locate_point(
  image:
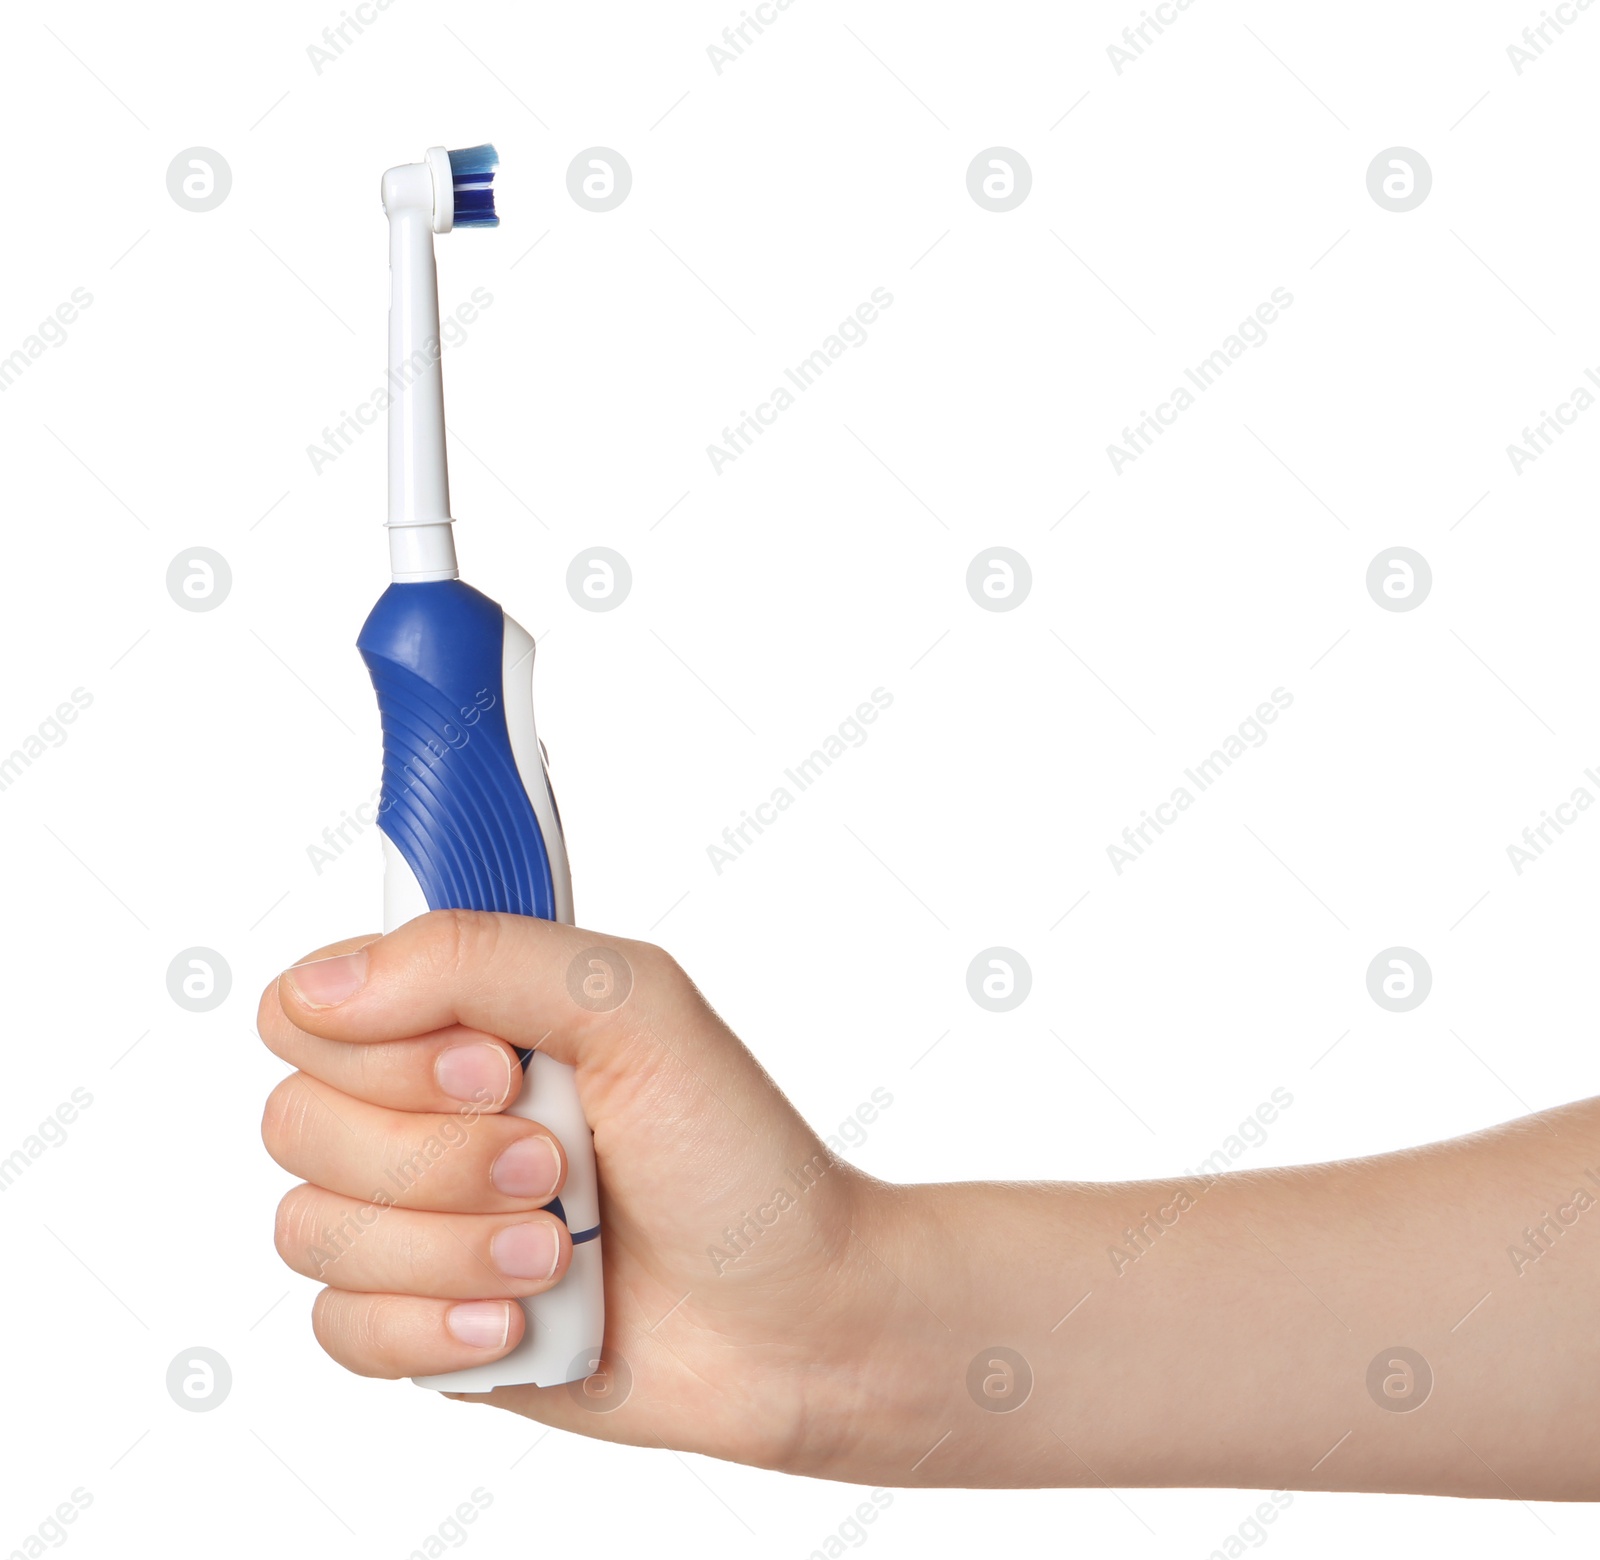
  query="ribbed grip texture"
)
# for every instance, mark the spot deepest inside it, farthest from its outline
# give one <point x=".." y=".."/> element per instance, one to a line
<point x="452" y="802"/>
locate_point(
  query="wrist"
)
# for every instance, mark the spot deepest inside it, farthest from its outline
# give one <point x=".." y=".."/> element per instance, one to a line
<point x="948" y="1363"/>
<point x="889" y="1368"/>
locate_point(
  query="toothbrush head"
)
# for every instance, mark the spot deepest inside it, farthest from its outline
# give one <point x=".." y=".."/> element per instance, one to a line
<point x="472" y="184"/>
<point x="446" y="189"/>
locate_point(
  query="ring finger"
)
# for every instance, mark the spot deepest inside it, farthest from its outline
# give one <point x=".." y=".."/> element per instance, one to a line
<point x="377" y="1249"/>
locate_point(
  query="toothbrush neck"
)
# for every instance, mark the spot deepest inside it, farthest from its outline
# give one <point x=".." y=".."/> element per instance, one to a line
<point x="421" y="546"/>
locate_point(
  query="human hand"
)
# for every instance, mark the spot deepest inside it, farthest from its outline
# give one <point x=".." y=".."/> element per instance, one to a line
<point x="742" y="1348"/>
<point x="766" y="1303"/>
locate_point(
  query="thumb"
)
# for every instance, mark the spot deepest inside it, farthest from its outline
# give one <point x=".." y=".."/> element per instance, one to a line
<point x="572" y="994"/>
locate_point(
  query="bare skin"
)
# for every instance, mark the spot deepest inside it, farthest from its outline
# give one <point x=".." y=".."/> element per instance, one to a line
<point x="1243" y="1330"/>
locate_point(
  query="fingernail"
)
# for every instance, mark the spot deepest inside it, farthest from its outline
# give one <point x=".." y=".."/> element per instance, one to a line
<point x="526" y="1250"/>
<point x="480" y="1072"/>
<point x="531" y="1167"/>
<point x="485" y="1324"/>
<point x="325" y="982"/>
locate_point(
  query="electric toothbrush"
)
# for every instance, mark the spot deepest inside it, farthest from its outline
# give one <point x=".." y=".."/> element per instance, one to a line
<point x="467" y="815"/>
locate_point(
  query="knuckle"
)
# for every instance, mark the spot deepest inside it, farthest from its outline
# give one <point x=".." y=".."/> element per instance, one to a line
<point x="334" y="1324"/>
<point x="453" y="935"/>
<point x="382" y="1335"/>
<point x="350" y="1329"/>
<point x="370" y="1073"/>
<point x="660" y="970"/>
<point x="275" y="1118"/>
<point x="283" y="1120"/>
<point x="444" y="934"/>
<point x="269" y="1000"/>
<point x="417" y="1254"/>
<point x="368" y="1330"/>
<point x="324" y="1311"/>
<point x="460" y="939"/>
<point x="270" y="1018"/>
<point x="293" y="1224"/>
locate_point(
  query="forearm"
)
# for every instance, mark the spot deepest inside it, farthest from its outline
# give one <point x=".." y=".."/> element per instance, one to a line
<point x="1223" y="1332"/>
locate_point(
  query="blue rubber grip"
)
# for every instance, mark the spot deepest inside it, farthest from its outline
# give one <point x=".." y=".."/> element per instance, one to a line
<point x="452" y="801"/>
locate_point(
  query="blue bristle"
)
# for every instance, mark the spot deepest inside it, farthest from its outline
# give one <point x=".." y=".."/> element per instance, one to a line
<point x="475" y="207"/>
<point x="473" y="163"/>
<point x="472" y="178"/>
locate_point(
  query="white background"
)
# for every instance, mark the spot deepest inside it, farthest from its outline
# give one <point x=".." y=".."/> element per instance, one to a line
<point x="1167" y="602"/>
